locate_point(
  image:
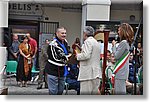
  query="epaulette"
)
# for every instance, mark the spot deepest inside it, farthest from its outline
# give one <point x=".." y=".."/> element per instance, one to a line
<point x="53" y="43"/>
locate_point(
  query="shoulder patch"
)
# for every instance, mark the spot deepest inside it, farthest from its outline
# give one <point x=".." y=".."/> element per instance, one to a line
<point x="53" y="43"/>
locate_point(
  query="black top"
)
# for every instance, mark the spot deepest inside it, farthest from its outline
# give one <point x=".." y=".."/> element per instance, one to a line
<point x="55" y="52"/>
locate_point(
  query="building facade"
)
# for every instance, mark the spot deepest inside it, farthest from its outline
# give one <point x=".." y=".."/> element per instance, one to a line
<point x="41" y="18"/>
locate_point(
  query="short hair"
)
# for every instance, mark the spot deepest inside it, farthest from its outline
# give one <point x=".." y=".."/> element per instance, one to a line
<point x="23" y="37"/>
<point x="46" y="39"/>
<point x="60" y="28"/>
<point x="89" y="30"/>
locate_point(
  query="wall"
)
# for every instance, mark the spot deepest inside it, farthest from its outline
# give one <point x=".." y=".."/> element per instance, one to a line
<point x="124" y="15"/>
<point x="70" y="20"/>
<point x="3" y="13"/>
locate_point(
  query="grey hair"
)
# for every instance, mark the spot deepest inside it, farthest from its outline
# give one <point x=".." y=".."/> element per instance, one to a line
<point x="89" y="30"/>
<point x="58" y="29"/>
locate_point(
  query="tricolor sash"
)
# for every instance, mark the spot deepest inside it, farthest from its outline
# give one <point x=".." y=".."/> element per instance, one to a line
<point x="121" y="62"/>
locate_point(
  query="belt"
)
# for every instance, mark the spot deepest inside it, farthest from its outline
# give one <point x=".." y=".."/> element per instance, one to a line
<point x="55" y="63"/>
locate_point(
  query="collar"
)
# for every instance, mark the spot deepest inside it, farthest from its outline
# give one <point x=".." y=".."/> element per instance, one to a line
<point x="59" y="40"/>
<point x="15" y="41"/>
<point x="89" y="38"/>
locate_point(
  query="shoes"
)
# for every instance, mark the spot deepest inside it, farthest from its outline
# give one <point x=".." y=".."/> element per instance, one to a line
<point x="25" y="84"/>
<point x="36" y="78"/>
<point x="32" y="79"/>
<point x="46" y="86"/>
<point x="21" y="84"/>
<point x="39" y="86"/>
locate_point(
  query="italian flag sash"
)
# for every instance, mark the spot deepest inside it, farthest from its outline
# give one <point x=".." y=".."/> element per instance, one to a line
<point x="120" y="64"/>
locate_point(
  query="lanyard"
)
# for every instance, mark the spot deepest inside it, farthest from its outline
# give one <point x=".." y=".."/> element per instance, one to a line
<point x="66" y="53"/>
<point x="63" y="46"/>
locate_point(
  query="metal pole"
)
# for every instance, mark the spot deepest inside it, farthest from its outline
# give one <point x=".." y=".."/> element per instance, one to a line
<point x="136" y="57"/>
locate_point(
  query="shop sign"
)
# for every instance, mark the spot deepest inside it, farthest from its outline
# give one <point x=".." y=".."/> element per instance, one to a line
<point x="25" y="9"/>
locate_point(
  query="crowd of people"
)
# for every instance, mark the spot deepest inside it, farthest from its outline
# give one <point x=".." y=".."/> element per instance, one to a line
<point x="85" y="76"/>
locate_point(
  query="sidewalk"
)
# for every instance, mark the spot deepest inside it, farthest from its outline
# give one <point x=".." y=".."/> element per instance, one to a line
<point x="14" y="89"/>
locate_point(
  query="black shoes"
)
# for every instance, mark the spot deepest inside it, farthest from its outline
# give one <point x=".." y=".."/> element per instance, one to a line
<point x="46" y="86"/>
<point x="39" y="86"/>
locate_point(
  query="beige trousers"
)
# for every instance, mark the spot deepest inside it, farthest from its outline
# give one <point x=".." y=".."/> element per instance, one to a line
<point x="89" y="87"/>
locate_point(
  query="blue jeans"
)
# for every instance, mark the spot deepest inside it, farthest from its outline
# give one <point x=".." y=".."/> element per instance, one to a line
<point x="34" y="62"/>
<point x="55" y="85"/>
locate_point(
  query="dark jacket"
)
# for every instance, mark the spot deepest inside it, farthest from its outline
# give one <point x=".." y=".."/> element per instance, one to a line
<point x="56" y="58"/>
<point x="14" y="48"/>
<point x="131" y="72"/>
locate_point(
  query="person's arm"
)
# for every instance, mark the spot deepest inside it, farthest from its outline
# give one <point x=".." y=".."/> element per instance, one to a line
<point x="11" y="52"/>
<point x="35" y="51"/>
<point x="56" y="53"/>
<point x="44" y="51"/>
<point x="119" y="51"/>
<point x="86" y="51"/>
<point x="128" y="83"/>
<point x="78" y="47"/>
<point x="22" y="53"/>
<point x="35" y="44"/>
<point x="113" y="46"/>
<point x="18" y="46"/>
<point x="20" y="50"/>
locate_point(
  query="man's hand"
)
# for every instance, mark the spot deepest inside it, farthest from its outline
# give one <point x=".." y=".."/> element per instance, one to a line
<point x="15" y="55"/>
<point x="114" y="43"/>
<point x="33" y="56"/>
<point x="75" y="53"/>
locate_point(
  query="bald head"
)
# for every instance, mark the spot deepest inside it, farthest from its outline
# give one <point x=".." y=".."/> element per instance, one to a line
<point x="15" y="37"/>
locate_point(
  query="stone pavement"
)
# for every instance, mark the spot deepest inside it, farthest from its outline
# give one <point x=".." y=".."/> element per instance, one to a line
<point x="14" y="89"/>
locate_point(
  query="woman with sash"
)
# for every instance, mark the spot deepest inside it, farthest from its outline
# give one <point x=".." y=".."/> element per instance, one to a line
<point x="121" y="53"/>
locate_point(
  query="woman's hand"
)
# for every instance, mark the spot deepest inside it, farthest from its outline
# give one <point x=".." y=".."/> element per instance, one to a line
<point x="27" y="56"/>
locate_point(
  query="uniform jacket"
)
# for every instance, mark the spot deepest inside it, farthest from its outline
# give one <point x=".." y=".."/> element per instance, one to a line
<point x="56" y="58"/>
<point x="89" y="60"/>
